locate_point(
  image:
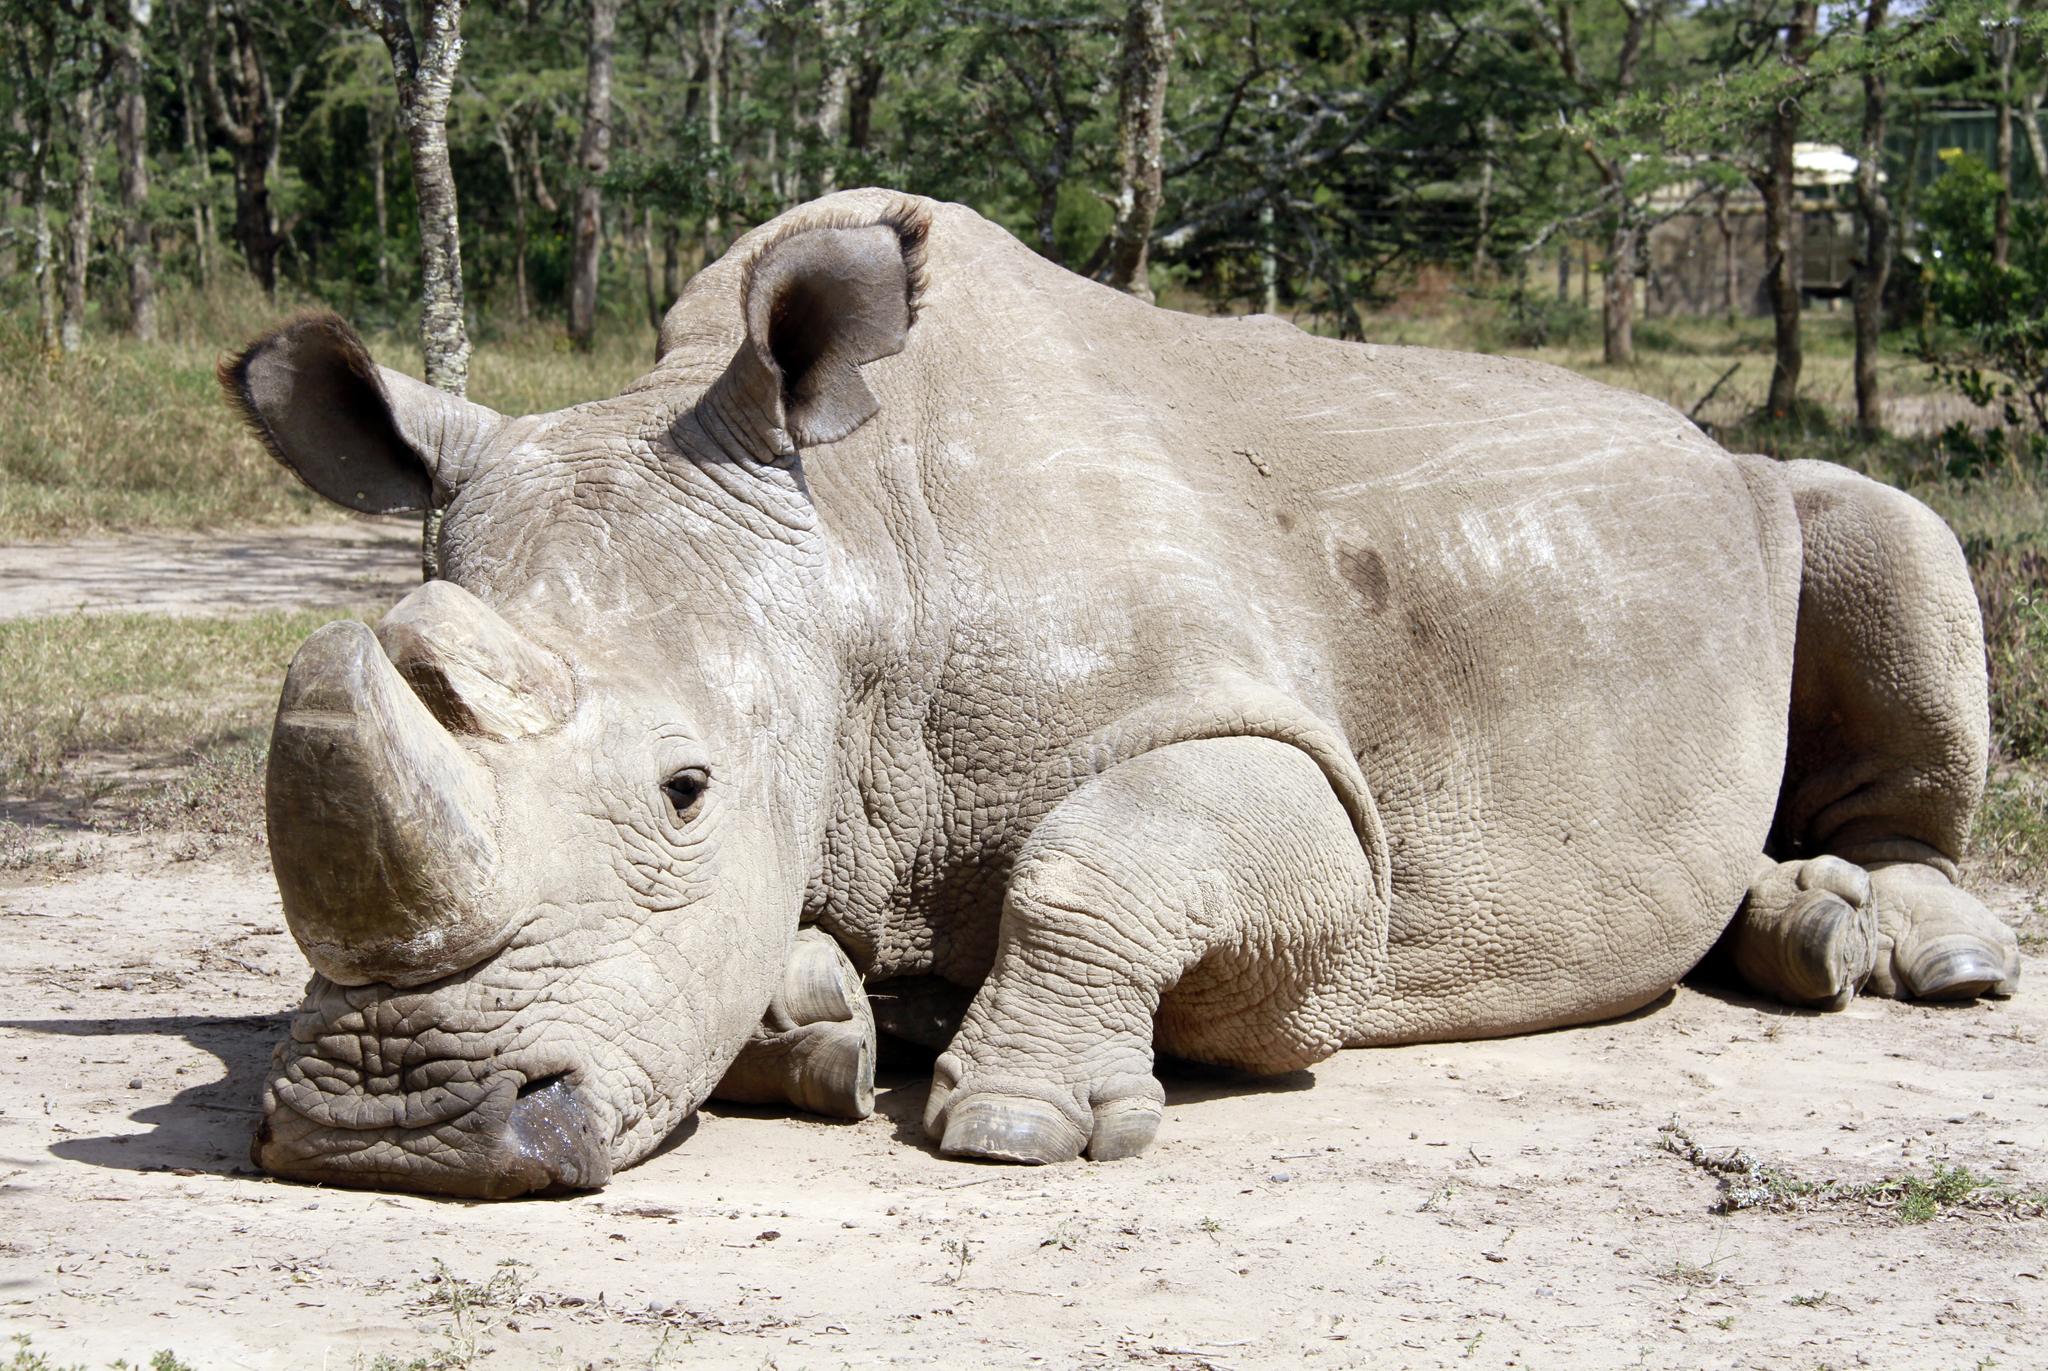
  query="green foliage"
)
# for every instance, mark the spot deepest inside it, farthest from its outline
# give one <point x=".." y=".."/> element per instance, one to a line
<point x="26" y="1358"/>
<point x="1993" y="346"/>
<point x="1539" y="319"/>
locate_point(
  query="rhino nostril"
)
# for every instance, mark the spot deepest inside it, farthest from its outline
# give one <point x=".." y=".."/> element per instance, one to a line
<point x="555" y="1141"/>
<point x="540" y="1083"/>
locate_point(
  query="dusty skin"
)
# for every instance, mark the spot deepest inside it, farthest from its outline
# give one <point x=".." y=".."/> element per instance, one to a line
<point x="1482" y="1204"/>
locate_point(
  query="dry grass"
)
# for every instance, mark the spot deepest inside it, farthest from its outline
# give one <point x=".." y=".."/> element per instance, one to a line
<point x="95" y="701"/>
<point x="133" y="436"/>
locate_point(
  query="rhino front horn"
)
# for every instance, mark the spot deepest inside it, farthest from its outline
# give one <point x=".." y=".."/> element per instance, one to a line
<point x="380" y="822"/>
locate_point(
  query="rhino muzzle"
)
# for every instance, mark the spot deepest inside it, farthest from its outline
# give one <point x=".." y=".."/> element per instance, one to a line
<point x="502" y="1137"/>
<point x="382" y="824"/>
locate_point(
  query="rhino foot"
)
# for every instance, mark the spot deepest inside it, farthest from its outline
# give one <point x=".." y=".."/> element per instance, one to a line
<point x="1816" y="933"/>
<point x="1033" y="1122"/>
<point x="1939" y="942"/>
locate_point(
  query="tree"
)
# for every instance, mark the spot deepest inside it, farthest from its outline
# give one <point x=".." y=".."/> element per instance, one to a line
<point x="2005" y="34"/>
<point x="1774" y="181"/>
<point x="90" y="60"/>
<point x="129" y="18"/>
<point x="36" y="34"/>
<point x="425" y="79"/>
<point x="1147" y="49"/>
<point x="248" y="111"/>
<point x="1873" y="264"/>
<point x="593" y="156"/>
<point x="1624" y="231"/>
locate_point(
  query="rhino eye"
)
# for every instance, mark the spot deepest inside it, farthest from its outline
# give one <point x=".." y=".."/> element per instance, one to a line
<point x="685" y="790"/>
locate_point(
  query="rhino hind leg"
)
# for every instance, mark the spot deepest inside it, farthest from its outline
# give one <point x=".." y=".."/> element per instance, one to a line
<point x="1213" y="893"/>
<point x="1889" y="733"/>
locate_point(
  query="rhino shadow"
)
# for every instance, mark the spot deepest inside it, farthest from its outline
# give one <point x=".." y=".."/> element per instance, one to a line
<point x="204" y="1127"/>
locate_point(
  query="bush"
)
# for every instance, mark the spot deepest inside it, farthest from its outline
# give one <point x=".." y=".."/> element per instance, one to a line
<point x="1535" y="319"/>
<point x="1994" y="348"/>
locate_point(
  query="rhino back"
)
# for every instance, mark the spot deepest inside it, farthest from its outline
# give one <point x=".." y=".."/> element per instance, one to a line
<point x="1552" y="622"/>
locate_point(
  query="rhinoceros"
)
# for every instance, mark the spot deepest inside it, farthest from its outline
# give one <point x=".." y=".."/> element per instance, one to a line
<point x="935" y="636"/>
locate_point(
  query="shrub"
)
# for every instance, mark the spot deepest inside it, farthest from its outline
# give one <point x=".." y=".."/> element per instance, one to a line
<point x="1994" y="344"/>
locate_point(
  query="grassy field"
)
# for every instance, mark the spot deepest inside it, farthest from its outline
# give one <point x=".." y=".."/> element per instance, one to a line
<point x="120" y="721"/>
<point x="128" y="437"/>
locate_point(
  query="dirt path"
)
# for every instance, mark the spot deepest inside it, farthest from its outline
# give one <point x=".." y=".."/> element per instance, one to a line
<point x="366" y="561"/>
<point x="1485" y="1205"/>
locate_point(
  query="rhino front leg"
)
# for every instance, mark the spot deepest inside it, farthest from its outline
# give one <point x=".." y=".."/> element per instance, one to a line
<point x="1215" y="889"/>
<point x="1807" y="932"/>
<point x="815" y="1047"/>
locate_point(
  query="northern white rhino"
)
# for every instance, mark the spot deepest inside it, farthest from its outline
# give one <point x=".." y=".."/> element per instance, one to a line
<point x="934" y="623"/>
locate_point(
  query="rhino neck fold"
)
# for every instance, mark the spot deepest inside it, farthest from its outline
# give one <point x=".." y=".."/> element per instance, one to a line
<point x="743" y="473"/>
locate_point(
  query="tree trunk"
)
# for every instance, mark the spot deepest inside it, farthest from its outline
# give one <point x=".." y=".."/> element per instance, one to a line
<point x="834" y="59"/>
<point x="593" y="155"/>
<point x="711" y="30"/>
<point x="1482" y="266"/>
<point x="42" y="254"/>
<point x="131" y="142"/>
<point x="202" y="223"/>
<point x="78" y="260"/>
<point x="2030" y="124"/>
<point x="426" y="81"/>
<point x="1140" y="123"/>
<point x="1875" y="263"/>
<point x="1618" y="290"/>
<point x="15" y="194"/>
<point x="671" y="262"/>
<point x="1269" y="261"/>
<point x="1782" y="225"/>
<point x="514" y="176"/>
<point x="1728" y="264"/>
<point x="649" y="273"/>
<point x="1618" y="297"/>
<point x="380" y="144"/>
<point x="444" y="334"/>
<point x="860" y="106"/>
<point x="2004" y="40"/>
<point x="246" y="115"/>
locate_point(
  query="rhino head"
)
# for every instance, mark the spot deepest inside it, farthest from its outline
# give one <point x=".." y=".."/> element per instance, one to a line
<point x="546" y="833"/>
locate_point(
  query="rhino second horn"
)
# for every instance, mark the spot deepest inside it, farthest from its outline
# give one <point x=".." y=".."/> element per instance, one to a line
<point x="476" y="672"/>
<point x="380" y="823"/>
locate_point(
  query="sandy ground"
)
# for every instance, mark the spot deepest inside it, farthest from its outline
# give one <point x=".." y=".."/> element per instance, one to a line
<point x="1488" y="1204"/>
<point x="1501" y="1204"/>
<point x="360" y="561"/>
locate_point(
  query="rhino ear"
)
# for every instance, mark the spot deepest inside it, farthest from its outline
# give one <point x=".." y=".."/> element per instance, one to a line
<point x="820" y="301"/>
<point x="364" y="436"/>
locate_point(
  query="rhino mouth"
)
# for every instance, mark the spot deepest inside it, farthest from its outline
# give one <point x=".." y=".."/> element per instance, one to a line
<point x="490" y="1130"/>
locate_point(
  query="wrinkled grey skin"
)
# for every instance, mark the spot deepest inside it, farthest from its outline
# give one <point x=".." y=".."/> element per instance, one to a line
<point x="1157" y="682"/>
